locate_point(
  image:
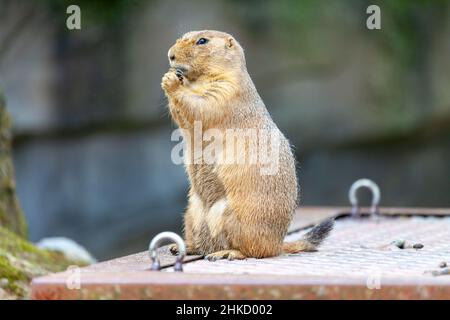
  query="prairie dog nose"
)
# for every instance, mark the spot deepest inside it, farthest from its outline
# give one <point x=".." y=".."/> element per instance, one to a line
<point x="171" y="55"/>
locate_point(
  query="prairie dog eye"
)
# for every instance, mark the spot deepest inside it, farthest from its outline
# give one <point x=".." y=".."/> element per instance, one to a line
<point x="201" y="41"/>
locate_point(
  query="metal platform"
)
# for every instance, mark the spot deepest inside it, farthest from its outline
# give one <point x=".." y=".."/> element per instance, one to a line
<point x="357" y="261"/>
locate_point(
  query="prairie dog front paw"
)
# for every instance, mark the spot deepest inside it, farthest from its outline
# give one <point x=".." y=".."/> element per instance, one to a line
<point x="171" y="81"/>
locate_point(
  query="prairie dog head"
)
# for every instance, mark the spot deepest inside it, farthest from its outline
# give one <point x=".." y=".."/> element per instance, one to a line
<point x="206" y="53"/>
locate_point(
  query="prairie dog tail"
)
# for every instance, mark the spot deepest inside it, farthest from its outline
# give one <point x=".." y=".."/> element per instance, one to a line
<point x="311" y="240"/>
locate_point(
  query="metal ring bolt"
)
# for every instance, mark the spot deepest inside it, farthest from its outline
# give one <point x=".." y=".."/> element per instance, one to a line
<point x="156" y="242"/>
<point x="376" y="195"/>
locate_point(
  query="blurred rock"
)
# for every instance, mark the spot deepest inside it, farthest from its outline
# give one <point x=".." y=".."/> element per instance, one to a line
<point x="68" y="247"/>
<point x="21" y="261"/>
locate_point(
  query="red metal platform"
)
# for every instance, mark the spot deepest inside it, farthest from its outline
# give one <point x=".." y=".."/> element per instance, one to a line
<point x="357" y="261"/>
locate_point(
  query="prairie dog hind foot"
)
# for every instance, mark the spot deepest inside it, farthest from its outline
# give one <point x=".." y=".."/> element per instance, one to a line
<point x="173" y="248"/>
<point x="225" y="254"/>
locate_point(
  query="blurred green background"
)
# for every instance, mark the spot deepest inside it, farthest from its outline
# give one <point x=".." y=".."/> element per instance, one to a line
<point x="92" y="134"/>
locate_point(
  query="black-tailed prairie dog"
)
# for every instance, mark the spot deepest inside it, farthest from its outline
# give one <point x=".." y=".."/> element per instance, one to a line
<point x="235" y="209"/>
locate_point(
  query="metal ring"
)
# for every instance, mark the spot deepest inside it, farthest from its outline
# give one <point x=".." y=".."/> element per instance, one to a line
<point x="376" y="195"/>
<point x="156" y="241"/>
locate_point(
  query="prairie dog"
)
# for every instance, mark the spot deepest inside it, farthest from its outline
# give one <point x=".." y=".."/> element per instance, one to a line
<point x="234" y="211"/>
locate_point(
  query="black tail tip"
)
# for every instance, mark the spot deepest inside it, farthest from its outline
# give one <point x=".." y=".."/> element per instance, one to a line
<point x="320" y="232"/>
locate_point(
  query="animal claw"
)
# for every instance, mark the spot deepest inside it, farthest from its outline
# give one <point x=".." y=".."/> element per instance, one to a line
<point x="179" y="74"/>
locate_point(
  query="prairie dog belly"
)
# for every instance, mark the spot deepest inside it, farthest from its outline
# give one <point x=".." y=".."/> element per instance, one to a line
<point x="211" y="216"/>
<point x="208" y="224"/>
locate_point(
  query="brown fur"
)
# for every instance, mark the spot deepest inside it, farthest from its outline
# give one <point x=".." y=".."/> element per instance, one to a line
<point x="233" y="210"/>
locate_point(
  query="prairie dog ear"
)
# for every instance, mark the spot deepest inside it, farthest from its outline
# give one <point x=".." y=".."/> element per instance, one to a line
<point x="230" y="42"/>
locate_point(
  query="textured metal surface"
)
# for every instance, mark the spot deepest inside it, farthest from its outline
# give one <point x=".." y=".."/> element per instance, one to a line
<point x="145" y="285"/>
<point x="136" y="262"/>
<point x="355" y="248"/>
<point x="140" y="261"/>
<point x="355" y="257"/>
